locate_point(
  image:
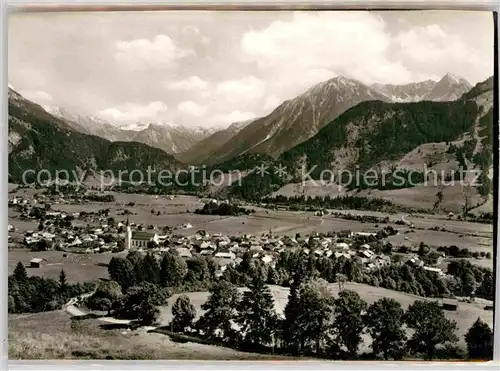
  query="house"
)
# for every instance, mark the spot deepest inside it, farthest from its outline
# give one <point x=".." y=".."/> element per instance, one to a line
<point x="256" y="248"/>
<point x="36" y="262"/>
<point x="267" y="259"/>
<point x="184" y="252"/>
<point x="363" y="234"/>
<point x="367" y="254"/>
<point x="434" y="270"/>
<point x="415" y="262"/>
<point x="225" y="255"/>
<point x="207" y="252"/>
<point x="343" y="254"/>
<point x="342" y="246"/>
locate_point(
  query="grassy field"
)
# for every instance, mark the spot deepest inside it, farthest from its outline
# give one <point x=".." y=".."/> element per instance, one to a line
<point x="51" y="335"/>
<point x="78" y="267"/>
<point x="465" y="315"/>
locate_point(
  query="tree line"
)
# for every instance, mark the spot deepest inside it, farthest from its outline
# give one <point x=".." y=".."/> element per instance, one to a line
<point x="38" y="294"/>
<point x="314" y="323"/>
<point x="340" y="203"/>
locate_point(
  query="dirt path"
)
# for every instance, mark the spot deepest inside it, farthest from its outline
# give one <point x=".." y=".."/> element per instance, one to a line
<point x="74" y="311"/>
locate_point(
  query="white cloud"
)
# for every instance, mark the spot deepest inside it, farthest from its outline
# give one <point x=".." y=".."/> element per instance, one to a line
<point x="37" y="96"/>
<point x="271" y="102"/>
<point x="192" y="108"/>
<point x="229" y="118"/>
<point x="192" y="83"/>
<point x="429" y="50"/>
<point x="353" y="44"/>
<point x="134" y="112"/>
<point x="242" y="91"/>
<point x="142" y="54"/>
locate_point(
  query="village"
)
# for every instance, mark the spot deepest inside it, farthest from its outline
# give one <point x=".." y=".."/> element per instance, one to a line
<point x="99" y="233"/>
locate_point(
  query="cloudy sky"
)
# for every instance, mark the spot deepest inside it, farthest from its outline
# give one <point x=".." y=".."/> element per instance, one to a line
<point x="215" y="68"/>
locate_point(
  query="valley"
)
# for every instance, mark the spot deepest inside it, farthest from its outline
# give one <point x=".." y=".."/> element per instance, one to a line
<point x="253" y="233"/>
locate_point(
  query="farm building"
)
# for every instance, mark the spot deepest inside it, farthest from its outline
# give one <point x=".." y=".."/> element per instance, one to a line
<point x="449" y="304"/>
<point x="184" y="252"/>
<point x="36" y="262"/>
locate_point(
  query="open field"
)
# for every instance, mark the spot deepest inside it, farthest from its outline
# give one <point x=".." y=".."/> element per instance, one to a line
<point x="421" y="196"/>
<point x="437" y="238"/>
<point x="78" y="267"/>
<point x="51" y="335"/>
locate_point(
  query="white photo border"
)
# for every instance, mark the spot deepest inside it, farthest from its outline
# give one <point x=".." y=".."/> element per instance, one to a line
<point x="7" y="6"/>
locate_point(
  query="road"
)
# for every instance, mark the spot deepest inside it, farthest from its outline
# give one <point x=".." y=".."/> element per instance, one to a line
<point x="73" y="311"/>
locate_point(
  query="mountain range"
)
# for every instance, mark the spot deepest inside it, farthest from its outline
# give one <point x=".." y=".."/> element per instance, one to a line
<point x="388" y="137"/>
<point x="299" y="119"/>
<point x="340" y="123"/>
<point x="168" y="137"/>
<point x="449" y="88"/>
<point x="39" y="140"/>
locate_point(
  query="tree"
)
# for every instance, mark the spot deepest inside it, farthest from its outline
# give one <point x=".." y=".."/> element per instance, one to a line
<point x="272" y="276"/>
<point x="257" y="316"/>
<point x="20" y="273"/>
<point x="151" y="245"/>
<point x="183" y="312"/>
<point x="384" y="320"/>
<point x="136" y="258"/>
<point x="141" y="302"/>
<point x="197" y="270"/>
<point x="41" y="245"/>
<point x="11" y="304"/>
<point x="479" y="341"/>
<point x="315" y="310"/>
<point x="150" y="269"/>
<point x="348" y="322"/>
<point x="289" y="326"/>
<point x="173" y="269"/>
<point x="63" y="282"/>
<point x="467" y="193"/>
<point x="469" y="283"/>
<point x="106" y="296"/>
<point x="122" y="271"/>
<point x="431" y="327"/>
<point x="220" y="311"/>
<point x="341" y="279"/>
<point x="423" y="249"/>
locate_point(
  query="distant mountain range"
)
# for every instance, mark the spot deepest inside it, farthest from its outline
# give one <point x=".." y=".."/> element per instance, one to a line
<point x="299" y="119"/>
<point x="205" y="148"/>
<point x="168" y="137"/>
<point x="449" y="88"/>
<point x="285" y="130"/>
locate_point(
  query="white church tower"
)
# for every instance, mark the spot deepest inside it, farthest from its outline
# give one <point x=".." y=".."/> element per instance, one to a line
<point x="128" y="236"/>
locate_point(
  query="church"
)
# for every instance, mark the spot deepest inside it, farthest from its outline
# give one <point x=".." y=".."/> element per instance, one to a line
<point x="139" y="239"/>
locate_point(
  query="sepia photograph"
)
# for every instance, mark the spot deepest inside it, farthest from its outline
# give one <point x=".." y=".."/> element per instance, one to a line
<point x="252" y="185"/>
